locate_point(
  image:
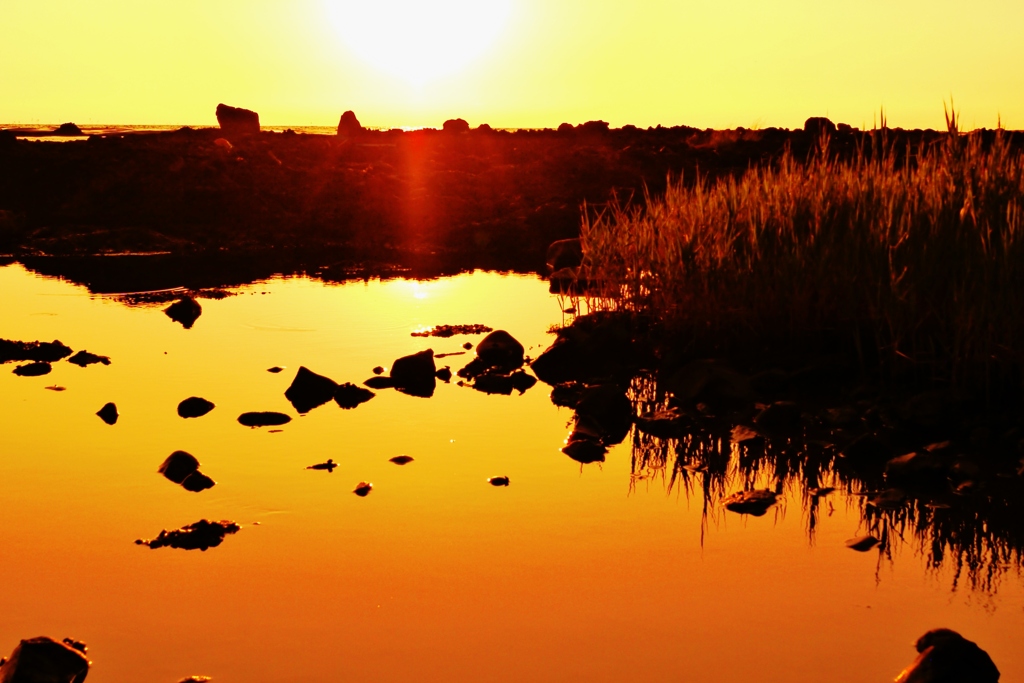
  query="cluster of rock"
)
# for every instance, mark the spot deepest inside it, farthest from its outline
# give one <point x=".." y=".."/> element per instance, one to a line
<point x="42" y="355"/>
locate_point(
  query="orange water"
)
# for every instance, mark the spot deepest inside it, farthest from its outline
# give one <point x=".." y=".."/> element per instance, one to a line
<point x="568" y="574"/>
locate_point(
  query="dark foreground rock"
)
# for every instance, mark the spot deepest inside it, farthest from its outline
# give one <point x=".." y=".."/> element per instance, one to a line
<point x="237" y="121"/>
<point x="309" y="390"/>
<point x="199" y="535"/>
<point x="349" y="395"/>
<point x="183" y="468"/>
<point x="36" y="369"/>
<point x="45" y="352"/>
<point x="194" y="406"/>
<point x="44" y="660"/>
<point x="185" y="310"/>
<point x="84" y="358"/>
<point x="348" y="125"/>
<point x="263" y="419"/>
<point x="108" y="413"/>
<point x="947" y="657"/>
<point x="414" y="374"/>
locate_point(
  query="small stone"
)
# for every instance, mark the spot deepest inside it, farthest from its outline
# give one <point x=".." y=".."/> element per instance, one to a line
<point x="754" y="502"/>
<point x="378" y="370"/>
<point x="349" y="395"/>
<point x="197" y="481"/>
<point x="329" y="466"/>
<point x="862" y="544"/>
<point x="363" y="489"/>
<point x="185" y="310"/>
<point x="199" y="535"/>
<point x="194" y="406"/>
<point x="498" y="481"/>
<point x="33" y="369"/>
<point x="84" y="358"/>
<point x="401" y="459"/>
<point x="276" y="369"/>
<point x="108" y="413"/>
<point x="263" y="419"/>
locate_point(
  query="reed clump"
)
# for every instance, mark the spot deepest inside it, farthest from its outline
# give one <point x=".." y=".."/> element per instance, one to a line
<point x="911" y="257"/>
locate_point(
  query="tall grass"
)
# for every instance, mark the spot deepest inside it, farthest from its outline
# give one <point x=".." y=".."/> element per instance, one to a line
<point x="915" y="256"/>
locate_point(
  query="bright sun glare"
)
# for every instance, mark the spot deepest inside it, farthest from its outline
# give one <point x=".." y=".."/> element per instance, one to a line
<point x="419" y="40"/>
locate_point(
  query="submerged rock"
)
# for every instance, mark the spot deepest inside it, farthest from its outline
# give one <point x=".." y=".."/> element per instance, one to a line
<point x="48" y="352"/>
<point x="564" y="254"/>
<point x="185" y="310"/>
<point x="84" y="358"/>
<point x="862" y="544"/>
<point x="754" y="502"/>
<point x="349" y="395"/>
<point x="44" y="660"/>
<point x="667" y="423"/>
<point x="263" y="419"/>
<point x="329" y="466"/>
<point x="33" y="369"/>
<point x="108" y="413"/>
<point x="276" y="369"/>
<point x="446" y="331"/>
<point x="196" y="536"/>
<point x="194" y="406"/>
<point x="401" y="459"/>
<point x="309" y="390"/>
<point x="947" y="657"/>
<point x="498" y="481"/>
<point x="380" y="383"/>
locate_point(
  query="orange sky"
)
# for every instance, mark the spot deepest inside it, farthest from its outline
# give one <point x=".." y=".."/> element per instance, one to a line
<point x="513" y="63"/>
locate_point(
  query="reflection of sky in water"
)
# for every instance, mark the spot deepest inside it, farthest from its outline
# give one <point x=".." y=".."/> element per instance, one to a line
<point x="567" y="574"/>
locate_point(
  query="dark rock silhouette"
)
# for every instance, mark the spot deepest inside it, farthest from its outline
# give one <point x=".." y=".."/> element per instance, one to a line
<point x="44" y="660"/>
<point x="194" y="406"/>
<point x="276" y="369"/>
<point x="329" y="466"/>
<point x="380" y="383"/>
<point x="199" y="535"/>
<point x="68" y="129"/>
<point x="754" y="503"/>
<point x="496" y="382"/>
<point x="414" y="374"/>
<point x="947" y="657"/>
<point x="498" y="481"/>
<point x="234" y="120"/>
<point x="667" y="423"/>
<point x="446" y="331"/>
<point x="401" y="459"/>
<point x="84" y="358"/>
<point x="309" y="390"/>
<point x="108" y="413"/>
<point x="455" y="126"/>
<point x="185" y="310"/>
<point x="607" y="412"/>
<point x="500" y="349"/>
<point x="593" y="348"/>
<point x="349" y="395"/>
<point x="363" y="489"/>
<point x="817" y="125"/>
<point x="781" y="417"/>
<point x="263" y="419"/>
<point x="584" y="448"/>
<point x="378" y="370"/>
<point x="444" y="374"/>
<point x="47" y="352"/>
<point x="197" y="481"/>
<point x="564" y="254"/>
<point x="178" y="466"/>
<point x="348" y="125"/>
<point x="33" y="369"/>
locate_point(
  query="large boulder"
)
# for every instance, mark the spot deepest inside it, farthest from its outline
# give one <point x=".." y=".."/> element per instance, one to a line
<point x="414" y="374"/>
<point x="234" y="120"/>
<point x="44" y="660"/>
<point x="309" y="390"/>
<point x="500" y="349"/>
<point x="818" y="125"/>
<point x="945" y="656"/>
<point x="349" y="125"/>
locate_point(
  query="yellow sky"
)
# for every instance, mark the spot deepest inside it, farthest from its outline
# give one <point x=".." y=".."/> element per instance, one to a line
<point x="717" y="63"/>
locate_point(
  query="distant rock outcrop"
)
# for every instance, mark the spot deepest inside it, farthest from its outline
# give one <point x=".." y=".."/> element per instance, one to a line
<point x="234" y="120"/>
<point x="816" y="125"/>
<point x="349" y="125"/>
<point x="68" y="129"/>
<point x="455" y="126"/>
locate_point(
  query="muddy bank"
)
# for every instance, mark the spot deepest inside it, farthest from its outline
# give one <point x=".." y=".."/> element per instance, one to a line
<point x="494" y="195"/>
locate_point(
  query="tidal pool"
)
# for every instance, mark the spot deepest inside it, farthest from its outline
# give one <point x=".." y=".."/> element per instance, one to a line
<point x="600" y="572"/>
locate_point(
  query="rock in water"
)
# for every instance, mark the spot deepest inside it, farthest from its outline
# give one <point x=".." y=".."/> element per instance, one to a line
<point x="414" y="374"/>
<point x="500" y="349"/>
<point x="754" y="503"/>
<point x="862" y="544"/>
<point x="48" y="352"/>
<point x="309" y="390"/>
<point x="947" y="657"/>
<point x="44" y="660"/>
<point x="564" y="254"/>
<point x="349" y="125"/>
<point x="185" y="310"/>
<point x="178" y="466"/>
<point x="197" y="481"/>
<point x="196" y="536"/>
<point x="84" y="358"/>
<point x="263" y="419"/>
<point x="194" y="406"/>
<point x="33" y="369"/>
<point x="108" y="413"/>
<point x="401" y="459"/>
<point x="234" y="120"/>
<point x="363" y="490"/>
<point x="349" y="396"/>
<point x="498" y="481"/>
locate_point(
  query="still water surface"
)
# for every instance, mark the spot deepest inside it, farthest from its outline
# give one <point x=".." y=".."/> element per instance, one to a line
<point x="571" y="573"/>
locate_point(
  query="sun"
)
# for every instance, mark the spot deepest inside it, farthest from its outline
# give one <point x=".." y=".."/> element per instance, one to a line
<point x="419" y="40"/>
